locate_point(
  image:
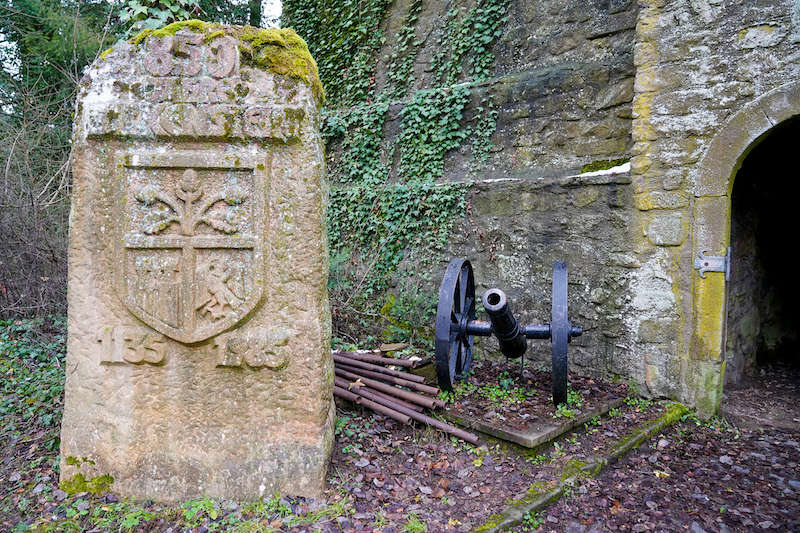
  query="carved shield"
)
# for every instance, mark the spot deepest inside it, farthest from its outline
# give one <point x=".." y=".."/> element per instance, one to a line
<point x="190" y="239"/>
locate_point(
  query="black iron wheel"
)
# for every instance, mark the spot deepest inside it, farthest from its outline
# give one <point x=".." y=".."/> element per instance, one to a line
<point x="456" y="307"/>
<point x="559" y="332"/>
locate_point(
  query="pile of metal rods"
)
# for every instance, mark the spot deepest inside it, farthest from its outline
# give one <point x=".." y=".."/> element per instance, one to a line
<point x="365" y="380"/>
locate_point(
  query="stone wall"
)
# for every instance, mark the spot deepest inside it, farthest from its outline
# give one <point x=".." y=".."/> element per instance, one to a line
<point x="562" y="85"/>
<point x="697" y="63"/>
<point x="684" y="89"/>
<point x="520" y="227"/>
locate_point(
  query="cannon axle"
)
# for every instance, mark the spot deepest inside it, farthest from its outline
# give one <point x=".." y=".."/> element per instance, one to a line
<point x="456" y="326"/>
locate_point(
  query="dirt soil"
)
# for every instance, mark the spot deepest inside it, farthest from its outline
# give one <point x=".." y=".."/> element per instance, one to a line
<point x="717" y="476"/>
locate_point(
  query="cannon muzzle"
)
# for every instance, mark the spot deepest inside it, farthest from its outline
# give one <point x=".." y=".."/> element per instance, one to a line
<point x="505" y="326"/>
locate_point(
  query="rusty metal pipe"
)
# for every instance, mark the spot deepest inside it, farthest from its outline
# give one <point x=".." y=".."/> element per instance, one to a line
<point x="375" y="406"/>
<point x="379" y="369"/>
<point x="343" y="383"/>
<point x="389" y="389"/>
<point x="398" y="401"/>
<point x="377" y="359"/>
<point x="397" y="381"/>
<point x="419" y="417"/>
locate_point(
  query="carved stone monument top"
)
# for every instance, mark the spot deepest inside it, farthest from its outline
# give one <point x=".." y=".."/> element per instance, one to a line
<point x="199" y="329"/>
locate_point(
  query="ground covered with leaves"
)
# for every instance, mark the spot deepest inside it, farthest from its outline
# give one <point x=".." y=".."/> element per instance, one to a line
<point x="389" y="477"/>
<point x="712" y="476"/>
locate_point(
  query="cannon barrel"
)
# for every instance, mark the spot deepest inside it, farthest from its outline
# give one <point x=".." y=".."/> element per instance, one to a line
<point x="505" y="326"/>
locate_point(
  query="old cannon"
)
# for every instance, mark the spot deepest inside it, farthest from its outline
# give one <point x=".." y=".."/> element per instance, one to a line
<point x="456" y="326"/>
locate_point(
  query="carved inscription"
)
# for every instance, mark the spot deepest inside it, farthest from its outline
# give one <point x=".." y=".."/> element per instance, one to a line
<point x="184" y="55"/>
<point x="126" y="344"/>
<point x="262" y="348"/>
<point x="197" y="90"/>
<point x="191" y="244"/>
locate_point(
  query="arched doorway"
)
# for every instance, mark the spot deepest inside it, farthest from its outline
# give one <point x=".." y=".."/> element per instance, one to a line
<point x="713" y="181"/>
<point x="764" y="291"/>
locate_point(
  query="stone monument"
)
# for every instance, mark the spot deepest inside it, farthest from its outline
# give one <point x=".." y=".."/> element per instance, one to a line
<point x="199" y="329"/>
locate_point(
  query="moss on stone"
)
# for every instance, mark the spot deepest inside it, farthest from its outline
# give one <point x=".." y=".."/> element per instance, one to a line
<point x="283" y="52"/>
<point x="603" y="164"/>
<point x="213" y="35"/>
<point x="643" y="432"/>
<point x="79" y="483"/>
<point x="278" y="50"/>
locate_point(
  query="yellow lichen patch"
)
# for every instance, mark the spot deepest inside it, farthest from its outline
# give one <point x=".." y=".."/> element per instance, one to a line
<point x="708" y="387"/>
<point x="708" y="302"/>
<point x="642" y="104"/>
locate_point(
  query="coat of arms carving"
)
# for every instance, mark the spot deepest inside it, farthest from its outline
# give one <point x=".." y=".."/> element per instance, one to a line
<point x="189" y="257"/>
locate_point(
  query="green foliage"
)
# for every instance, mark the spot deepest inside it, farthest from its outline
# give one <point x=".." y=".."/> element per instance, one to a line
<point x="53" y="41"/>
<point x="409" y="315"/>
<point x="562" y="411"/>
<point x="79" y="483"/>
<point x="532" y="521"/>
<point x="344" y="37"/>
<point x="195" y="512"/>
<point x="574" y="398"/>
<point x="504" y="392"/>
<point x="431" y="127"/>
<point x="638" y="404"/>
<point x="377" y="222"/>
<point x="569" y="409"/>
<point x="538" y="459"/>
<point x="414" y="525"/>
<point x="471" y="35"/>
<point x="400" y="73"/>
<point x="482" y="131"/>
<point x="386" y="205"/>
<point x="32" y="354"/>
<point x="359" y="130"/>
<point x="154" y="14"/>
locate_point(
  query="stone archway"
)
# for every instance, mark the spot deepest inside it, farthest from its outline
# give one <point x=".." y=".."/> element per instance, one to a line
<point x="711" y="216"/>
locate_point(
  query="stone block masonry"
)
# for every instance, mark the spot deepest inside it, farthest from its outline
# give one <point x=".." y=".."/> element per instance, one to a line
<point x="199" y="327"/>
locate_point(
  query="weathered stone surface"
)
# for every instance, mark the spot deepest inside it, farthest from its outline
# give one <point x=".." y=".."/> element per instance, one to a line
<point x="668" y="229"/>
<point x="199" y="329"/>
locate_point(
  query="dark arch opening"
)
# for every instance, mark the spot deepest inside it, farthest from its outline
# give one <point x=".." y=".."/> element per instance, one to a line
<point x="763" y="294"/>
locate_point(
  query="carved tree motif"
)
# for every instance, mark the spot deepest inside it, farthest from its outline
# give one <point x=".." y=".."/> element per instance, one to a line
<point x="185" y="207"/>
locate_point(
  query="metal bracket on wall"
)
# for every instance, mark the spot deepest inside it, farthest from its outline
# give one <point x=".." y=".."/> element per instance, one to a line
<point x="713" y="263"/>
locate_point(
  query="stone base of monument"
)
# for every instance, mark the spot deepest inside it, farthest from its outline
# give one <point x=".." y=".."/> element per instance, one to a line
<point x="198" y="356"/>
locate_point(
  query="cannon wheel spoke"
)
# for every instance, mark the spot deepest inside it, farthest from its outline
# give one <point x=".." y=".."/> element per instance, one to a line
<point x="453" y="347"/>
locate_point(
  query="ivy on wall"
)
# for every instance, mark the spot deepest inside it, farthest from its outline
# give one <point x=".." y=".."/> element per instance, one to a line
<point x="401" y="63"/>
<point x="344" y="37"/>
<point x="468" y="41"/>
<point x="386" y="200"/>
